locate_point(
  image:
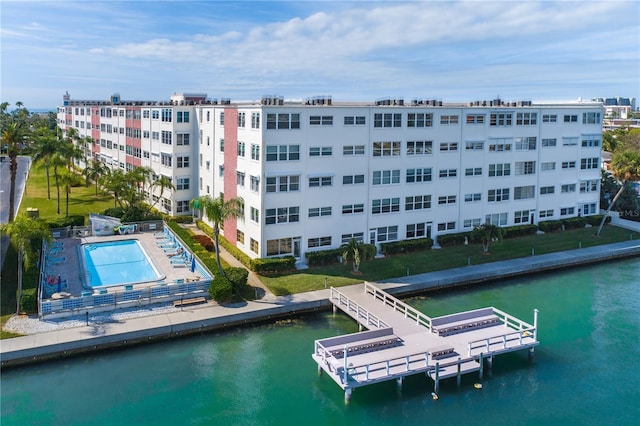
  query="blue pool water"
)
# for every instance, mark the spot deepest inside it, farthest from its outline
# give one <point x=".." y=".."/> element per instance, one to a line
<point x="117" y="263"/>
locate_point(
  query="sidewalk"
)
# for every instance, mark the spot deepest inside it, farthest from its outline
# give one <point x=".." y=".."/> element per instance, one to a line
<point x="212" y="316"/>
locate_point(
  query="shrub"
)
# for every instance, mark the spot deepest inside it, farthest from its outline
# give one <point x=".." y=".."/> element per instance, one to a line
<point x="182" y="219"/>
<point x="449" y="240"/>
<point x="574" y="222"/>
<point x="62" y="222"/>
<point x="205" y="242"/>
<point x="550" y="225"/>
<point x="114" y="212"/>
<point x="273" y="264"/>
<point x="323" y="257"/>
<point x="221" y="289"/>
<point x="238" y="278"/>
<point x="596" y="218"/>
<point x="518" y="231"/>
<point x="406" y="246"/>
<point x="28" y="302"/>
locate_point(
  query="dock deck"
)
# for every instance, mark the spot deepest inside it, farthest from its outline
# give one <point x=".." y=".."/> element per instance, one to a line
<point x="402" y="341"/>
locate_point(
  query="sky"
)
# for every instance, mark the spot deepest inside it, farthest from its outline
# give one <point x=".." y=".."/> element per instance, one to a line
<point x="349" y="50"/>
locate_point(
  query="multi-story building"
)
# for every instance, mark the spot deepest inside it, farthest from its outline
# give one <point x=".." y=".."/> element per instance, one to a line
<point x="315" y="173"/>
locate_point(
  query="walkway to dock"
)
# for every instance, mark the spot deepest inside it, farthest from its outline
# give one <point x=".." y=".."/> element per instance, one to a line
<point x="403" y="341"/>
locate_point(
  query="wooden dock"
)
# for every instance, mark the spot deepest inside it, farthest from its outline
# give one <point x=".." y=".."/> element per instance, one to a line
<point x="402" y="341"/>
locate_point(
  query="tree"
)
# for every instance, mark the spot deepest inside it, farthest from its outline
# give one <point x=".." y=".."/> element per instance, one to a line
<point x="67" y="179"/>
<point x="116" y="183"/>
<point x="12" y="137"/>
<point x="44" y="149"/>
<point x="57" y="162"/>
<point x="218" y="211"/>
<point x="94" y="172"/>
<point x="163" y="182"/>
<point x="352" y="252"/>
<point x="486" y="233"/>
<point x="22" y="231"/>
<point x="625" y="167"/>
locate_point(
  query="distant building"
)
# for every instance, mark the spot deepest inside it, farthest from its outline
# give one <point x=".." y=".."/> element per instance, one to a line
<point x="315" y="173"/>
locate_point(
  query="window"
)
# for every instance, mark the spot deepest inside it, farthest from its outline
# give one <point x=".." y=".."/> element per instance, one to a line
<point x="447" y="199"/>
<point x="283" y="152"/>
<point x="319" y="242"/>
<point x="499" y="147"/>
<point x="419" y="147"/>
<point x="255" y="215"/>
<point x="470" y="198"/>
<point x="182" y="206"/>
<point x="182" y="139"/>
<point x="319" y="211"/>
<point x="155" y="114"/>
<point x="320" y="181"/>
<point x="166" y="137"/>
<point x="418" y="175"/>
<point x="241" y="119"/>
<point x="448" y="119"/>
<point x="419" y="230"/>
<point x="358" y="236"/>
<point x="279" y="247"/>
<point x="525" y="144"/>
<point x="545" y="213"/>
<point x="503" y="169"/>
<point x="385" y="177"/>
<point x="545" y="190"/>
<point x="526" y="119"/>
<point x="475" y="118"/>
<point x="570" y="118"/>
<point x="182" y="116"/>
<point x="500" y="119"/>
<point x="569" y="141"/>
<point x="221" y="145"/>
<point x="386" y="233"/>
<point x="497" y="195"/>
<point x="352" y="179"/>
<point x="385" y="205"/>
<point x="589" y="186"/>
<point x="166" y="204"/>
<point x="317" y="151"/>
<point x="208" y="116"/>
<point x="253" y="245"/>
<point x="386" y="149"/>
<point x="446" y="226"/>
<point x="473" y="171"/>
<point x="352" y="208"/>
<point x="387" y="120"/>
<point x="567" y="211"/>
<point x="548" y="118"/>
<point x="417" y="202"/>
<point x="449" y="146"/>
<point x="474" y="146"/>
<point x="240" y="178"/>
<point x="353" y="150"/>
<point x="589" y="163"/>
<point x="321" y="120"/>
<point x="590" y="141"/>
<point x="241" y="148"/>
<point x="448" y="173"/>
<point x="591" y="118"/>
<point x="255" y="152"/>
<point x="166" y="114"/>
<point x="589" y="209"/>
<point x="255" y="120"/>
<point x="546" y="143"/>
<point x="568" y="164"/>
<point x="240" y="236"/>
<point x="283" y="183"/>
<point x="182" y="162"/>
<point x="569" y="187"/>
<point x="547" y="166"/>
<point x="283" y="121"/>
<point x="282" y="215"/>
<point x="165" y="159"/>
<point x="419" y="119"/>
<point x="255" y="183"/>
<point x="497" y="219"/>
<point x="221" y="120"/>
<point x="524" y="192"/>
<point x="471" y="223"/>
<point x="221" y="170"/>
<point x="182" y="183"/>
<point x="355" y="121"/>
<point x="525" y="168"/>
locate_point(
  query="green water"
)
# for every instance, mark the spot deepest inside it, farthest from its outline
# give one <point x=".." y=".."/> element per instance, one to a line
<point x="585" y="372"/>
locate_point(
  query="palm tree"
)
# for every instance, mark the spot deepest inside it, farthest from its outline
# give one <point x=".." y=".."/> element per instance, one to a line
<point x="22" y="231"/>
<point x="163" y="182"/>
<point x="351" y="252"/>
<point x="45" y="147"/>
<point x="94" y="172"/>
<point x="57" y="162"/>
<point x="486" y="233"/>
<point x="116" y="183"/>
<point x="218" y="211"/>
<point x="625" y="167"/>
<point x="12" y="137"/>
<point x="67" y="179"/>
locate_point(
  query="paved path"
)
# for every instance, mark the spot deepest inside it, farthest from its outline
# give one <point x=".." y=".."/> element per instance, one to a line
<point x="212" y="316"/>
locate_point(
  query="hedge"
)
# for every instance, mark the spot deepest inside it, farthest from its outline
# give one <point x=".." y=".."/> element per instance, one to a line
<point x="448" y="240"/>
<point x="406" y="246"/>
<point x="28" y="302"/>
<point x="550" y="225"/>
<point x="518" y="231"/>
<point x="62" y="222"/>
<point x="596" y="218"/>
<point x="323" y="257"/>
<point x="221" y="289"/>
<point x="273" y="264"/>
<point x="238" y="278"/>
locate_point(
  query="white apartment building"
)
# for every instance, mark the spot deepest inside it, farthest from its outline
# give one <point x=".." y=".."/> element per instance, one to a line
<point x="315" y="173"/>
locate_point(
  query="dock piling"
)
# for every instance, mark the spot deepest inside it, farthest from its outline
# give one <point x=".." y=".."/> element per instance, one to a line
<point x="481" y="361"/>
<point x="458" y="375"/>
<point x="436" y="383"/>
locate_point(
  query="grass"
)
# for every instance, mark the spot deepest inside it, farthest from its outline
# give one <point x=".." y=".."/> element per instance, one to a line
<point x="446" y="258"/>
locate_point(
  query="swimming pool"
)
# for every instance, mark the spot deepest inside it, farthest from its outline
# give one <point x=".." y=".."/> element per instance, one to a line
<point x="117" y="263"/>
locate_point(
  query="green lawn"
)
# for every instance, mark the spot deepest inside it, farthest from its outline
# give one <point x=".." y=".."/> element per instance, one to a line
<point x="445" y="258"/>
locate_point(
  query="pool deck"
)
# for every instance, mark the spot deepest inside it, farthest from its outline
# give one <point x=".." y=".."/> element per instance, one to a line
<point x="211" y="316"/>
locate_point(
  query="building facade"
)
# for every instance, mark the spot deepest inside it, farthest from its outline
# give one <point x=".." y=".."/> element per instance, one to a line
<point x="315" y="173"/>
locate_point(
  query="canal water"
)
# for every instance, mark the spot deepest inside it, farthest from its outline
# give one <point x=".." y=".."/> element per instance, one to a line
<point x="585" y="371"/>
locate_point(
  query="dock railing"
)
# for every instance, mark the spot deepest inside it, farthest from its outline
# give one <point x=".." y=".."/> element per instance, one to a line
<point x="360" y="313"/>
<point x="398" y="306"/>
<point x="518" y="331"/>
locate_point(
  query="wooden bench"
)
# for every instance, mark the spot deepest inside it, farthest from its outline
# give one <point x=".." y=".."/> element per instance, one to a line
<point x="464" y="321"/>
<point x="364" y="346"/>
<point x="190" y="301"/>
<point x="441" y="352"/>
